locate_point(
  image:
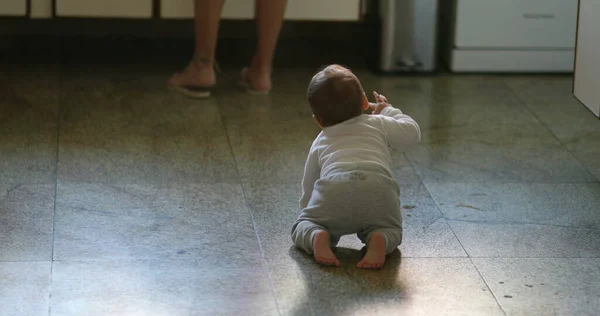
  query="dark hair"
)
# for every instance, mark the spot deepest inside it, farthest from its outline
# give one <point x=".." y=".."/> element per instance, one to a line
<point x="335" y="95"/>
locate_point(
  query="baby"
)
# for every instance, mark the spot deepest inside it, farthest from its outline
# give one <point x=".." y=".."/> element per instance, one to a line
<point x="348" y="185"/>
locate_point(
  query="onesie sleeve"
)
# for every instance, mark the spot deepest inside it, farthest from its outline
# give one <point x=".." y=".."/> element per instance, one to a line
<point x="312" y="172"/>
<point x="402" y="132"/>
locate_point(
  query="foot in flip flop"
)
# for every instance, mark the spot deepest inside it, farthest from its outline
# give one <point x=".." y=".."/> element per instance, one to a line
<point x="195" y="81"/>
<point x="256" y="82"/>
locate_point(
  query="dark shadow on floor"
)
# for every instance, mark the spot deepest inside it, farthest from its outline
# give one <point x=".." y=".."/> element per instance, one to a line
<point x="341" y="290"/>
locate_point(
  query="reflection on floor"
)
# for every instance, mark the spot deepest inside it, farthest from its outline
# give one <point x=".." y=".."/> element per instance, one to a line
<point x="119" y="197"/>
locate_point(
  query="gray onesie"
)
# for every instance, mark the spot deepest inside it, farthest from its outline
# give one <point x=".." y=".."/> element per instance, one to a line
<point x="348" y="185"/>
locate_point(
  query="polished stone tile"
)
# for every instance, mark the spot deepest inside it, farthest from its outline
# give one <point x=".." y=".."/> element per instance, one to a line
<point x="485" y="239"/>
<point x="270" y="136"/>
<point x="96" y="221"/>
<point x="407" y="286"/>
<point x="26" y="222"/>
<point x="468" y="89"/>
<point x="24" y="288"/>
<point x="574" y="205"/>
<point x="552" y="102"/>
<point x="544" y="286"/>
<point x="213" y="286"/>
<point x="426" y="234"/>
<point x="538" y="162"/>
<point x="477" y="130"/>
<point x="587" y="150"/>
<point x="119" y="130"/>
<point x="28" y="123"/>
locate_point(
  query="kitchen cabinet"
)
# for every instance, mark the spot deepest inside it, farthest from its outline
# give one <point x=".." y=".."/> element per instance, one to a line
<point x="40" y="9"/>
<point x="327" y="10"/>
<point x="104" y="9"/>
<point x="184" y="9"/>
<point x="13" y="7"/>
<point x="309" y="10"/>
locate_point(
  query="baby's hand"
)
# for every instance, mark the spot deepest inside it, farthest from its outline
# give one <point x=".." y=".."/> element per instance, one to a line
<point x="382" y="102"/>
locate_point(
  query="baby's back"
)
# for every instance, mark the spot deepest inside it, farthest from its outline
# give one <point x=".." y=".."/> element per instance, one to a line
<point x="357" y="144"/>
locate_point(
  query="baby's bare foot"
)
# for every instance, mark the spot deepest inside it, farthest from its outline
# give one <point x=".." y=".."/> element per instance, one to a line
<point x="375" y="256"/>
<point x="322" y="250"/>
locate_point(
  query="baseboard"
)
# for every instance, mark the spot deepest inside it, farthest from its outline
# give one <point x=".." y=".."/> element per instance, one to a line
<point x="514" y="61"/>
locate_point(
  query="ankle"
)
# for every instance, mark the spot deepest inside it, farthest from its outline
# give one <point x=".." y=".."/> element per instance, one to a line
<point x="320" y="236"/>
<point x="202" y="62"/>
<point x="261" y="67"/>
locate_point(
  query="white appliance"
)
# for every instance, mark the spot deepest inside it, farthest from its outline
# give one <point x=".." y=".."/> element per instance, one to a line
<point x="509" y="35"/>
<point x="587" y="67"/>
<point x="404" y="34"/>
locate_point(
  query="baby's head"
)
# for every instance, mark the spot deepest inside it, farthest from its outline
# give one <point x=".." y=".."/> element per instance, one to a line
<point x="335" y="95"/>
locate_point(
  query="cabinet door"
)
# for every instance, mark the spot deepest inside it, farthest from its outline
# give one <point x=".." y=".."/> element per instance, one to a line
<point x="516" y="23"/>
<point x="184" y="9"/>
<point x="324" y="10"/>
<point x="40" y="9"/>
<point x="13" y="7"/>
<point x="104" y="8"/>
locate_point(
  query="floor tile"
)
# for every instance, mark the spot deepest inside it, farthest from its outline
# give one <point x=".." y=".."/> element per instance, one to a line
<point x="407" y="286"/>
<point x="426" y="234"/>
<point x="95" y="221"/>
<point x="551" y="100"/>
<point x="270" y="136"/>
<point x="24" y="288"/>
<point x="121" y="130"/>
<point x="574" y="205"/>
<point x="26" y="222"/>
<point x="28" y="123"/>
<point x="484" y="239"/>
<point x="477" y="130"/>
<point x="480" y="162"/>
<point x="544" y="286"/>
<point x="172" y="287"/>
<point x="587" y="151"/>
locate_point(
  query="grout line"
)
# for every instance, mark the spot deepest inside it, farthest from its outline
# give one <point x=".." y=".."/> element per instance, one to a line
<point x="436" y="205"/>
<point x="455" y="236"/>
<point x="249" y="206"/>
<point x="58" y="127"/>
<point x="487" y="285"/>
<point x="196" y="259"/>
<point x="528" y="109"/>
<point x="483" y="222"/>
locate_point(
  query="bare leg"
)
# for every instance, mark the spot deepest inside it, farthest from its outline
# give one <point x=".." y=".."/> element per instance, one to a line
<point x="269" y="19"/>
<point x="200" y="71"/>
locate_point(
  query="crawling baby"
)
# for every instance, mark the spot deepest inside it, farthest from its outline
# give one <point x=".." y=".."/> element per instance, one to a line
<point x="348" y="185"/>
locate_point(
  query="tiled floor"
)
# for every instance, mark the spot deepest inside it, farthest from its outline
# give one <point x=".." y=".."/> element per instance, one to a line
<point x="118" y="197"/>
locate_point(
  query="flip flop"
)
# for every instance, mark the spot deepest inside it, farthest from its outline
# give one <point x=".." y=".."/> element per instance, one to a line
<point x="191" y="91"/>
<point x="245" y="83"/>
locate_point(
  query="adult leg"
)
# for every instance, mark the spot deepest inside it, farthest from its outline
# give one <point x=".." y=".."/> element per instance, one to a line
<point x="269" y="19"/>
<point x="200" y="71"/>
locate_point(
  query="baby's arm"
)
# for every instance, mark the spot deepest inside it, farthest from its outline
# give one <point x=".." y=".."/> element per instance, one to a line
<point x="312" y="172"/>
<point x="401" y="130"/>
